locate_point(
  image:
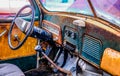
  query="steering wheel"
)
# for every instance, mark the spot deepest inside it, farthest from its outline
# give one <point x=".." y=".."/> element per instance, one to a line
<point x="20" y="25"/>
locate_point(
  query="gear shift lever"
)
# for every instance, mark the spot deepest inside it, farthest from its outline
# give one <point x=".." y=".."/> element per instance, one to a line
<point x="38" y="48"/>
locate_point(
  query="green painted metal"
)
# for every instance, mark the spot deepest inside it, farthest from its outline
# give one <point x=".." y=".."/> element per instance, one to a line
<point x="105" y="38"/>
<point x="24" y="63"/>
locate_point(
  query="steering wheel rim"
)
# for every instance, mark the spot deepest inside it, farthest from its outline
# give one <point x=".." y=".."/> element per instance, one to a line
<point x="27" y="33"/>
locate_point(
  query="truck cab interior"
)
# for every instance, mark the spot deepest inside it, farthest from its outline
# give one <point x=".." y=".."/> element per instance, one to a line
<point x="60" y="38"/>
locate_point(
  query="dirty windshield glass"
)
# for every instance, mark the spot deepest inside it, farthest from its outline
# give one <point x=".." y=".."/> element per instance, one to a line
<point x="74" y="6"/>
<point x="108" y="10"/>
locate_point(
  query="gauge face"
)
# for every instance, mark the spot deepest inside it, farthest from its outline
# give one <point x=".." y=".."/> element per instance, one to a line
<point x="51" y="29"/>
<point x="54" y="29"/>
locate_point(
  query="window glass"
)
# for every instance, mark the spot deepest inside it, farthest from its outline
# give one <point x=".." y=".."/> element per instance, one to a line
<point x="108" y="10"/>
<point x="74" y="6"/>
<point x="12" y="6"/>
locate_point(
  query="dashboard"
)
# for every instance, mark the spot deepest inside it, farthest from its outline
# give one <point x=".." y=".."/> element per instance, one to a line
<point x="71" y="35"/>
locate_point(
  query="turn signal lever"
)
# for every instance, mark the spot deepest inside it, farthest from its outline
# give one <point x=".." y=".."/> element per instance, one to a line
<point x="36" y="32"/>
<point x="41" y="34"/>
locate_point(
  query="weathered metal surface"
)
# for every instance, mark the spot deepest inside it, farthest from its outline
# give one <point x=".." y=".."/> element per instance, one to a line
<point x="111" y="61"/>
<point x="26" y="50"/>
<point x="109" y="36"/>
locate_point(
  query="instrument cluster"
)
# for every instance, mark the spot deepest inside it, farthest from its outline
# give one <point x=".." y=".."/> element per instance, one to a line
<point x="54" y="29"/>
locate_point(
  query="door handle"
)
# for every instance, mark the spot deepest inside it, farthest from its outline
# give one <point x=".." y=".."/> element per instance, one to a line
<point x="1" y="34"/>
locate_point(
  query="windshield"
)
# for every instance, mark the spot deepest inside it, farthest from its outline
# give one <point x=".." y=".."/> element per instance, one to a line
<point x="106" y="9"/>
<point x="74" y="6"/>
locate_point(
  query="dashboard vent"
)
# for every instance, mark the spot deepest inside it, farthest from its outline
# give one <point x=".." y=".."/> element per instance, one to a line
<point x="92" y="49"/>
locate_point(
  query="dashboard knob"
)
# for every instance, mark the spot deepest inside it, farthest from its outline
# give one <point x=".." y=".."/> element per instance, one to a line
<point x="73" y="35"/>
<point x="68" y="33"/>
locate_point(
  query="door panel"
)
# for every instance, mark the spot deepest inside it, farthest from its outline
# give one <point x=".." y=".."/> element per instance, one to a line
<point x="26" y="50"/>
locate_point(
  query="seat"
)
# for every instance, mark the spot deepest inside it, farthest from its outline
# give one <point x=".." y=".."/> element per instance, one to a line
<point x="7" y="69"/>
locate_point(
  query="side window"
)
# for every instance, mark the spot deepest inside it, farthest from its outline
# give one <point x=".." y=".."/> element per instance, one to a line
<point x="12" y="6"/>
<point x="108" y="10"/>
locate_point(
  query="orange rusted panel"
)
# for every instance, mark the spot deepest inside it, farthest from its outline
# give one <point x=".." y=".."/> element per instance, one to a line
<point x="26" y="50"/>
<point x="111" y="61"/>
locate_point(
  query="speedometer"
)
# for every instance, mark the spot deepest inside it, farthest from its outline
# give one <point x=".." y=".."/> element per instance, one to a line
<point x="54" y="29"/>
<point x="51" y="29"/>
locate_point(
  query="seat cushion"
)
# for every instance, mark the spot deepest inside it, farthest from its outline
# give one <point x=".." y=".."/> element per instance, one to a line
<point x="111" y="61"/>
<point x="7" y="69"/>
